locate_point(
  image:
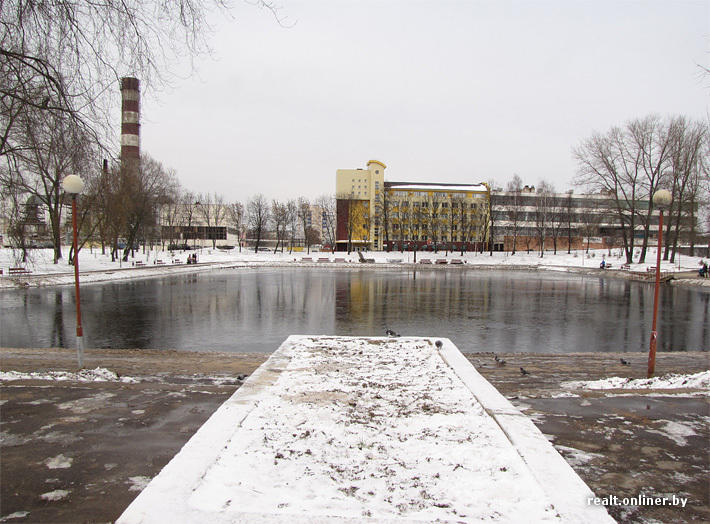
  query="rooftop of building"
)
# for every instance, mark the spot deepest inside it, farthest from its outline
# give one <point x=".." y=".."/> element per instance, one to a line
<point x="429" y="186"/>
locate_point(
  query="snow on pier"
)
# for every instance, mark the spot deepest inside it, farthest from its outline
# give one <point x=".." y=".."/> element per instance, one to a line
<point x="355" y="429"/>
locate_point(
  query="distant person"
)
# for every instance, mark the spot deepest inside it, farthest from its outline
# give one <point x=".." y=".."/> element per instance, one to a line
<point x="603" y="264"/>
<point x="703" y="271"/>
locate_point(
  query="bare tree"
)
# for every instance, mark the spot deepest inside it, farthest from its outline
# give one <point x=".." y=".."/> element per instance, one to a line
<point x="543" y="212"/>
<point x="688" y="160"/>
<point x="235" y="215"/>
<point x="569" y="216"/>
<point x="292" y="223"/>
<point x="431" y="212"/>
<point x="171" y="219"/>
<point x="355" y="216"/>
<point x="632" y="162"/>
<point x="279" y="220"/>
<point x="143" y="190"/>
<point x="558" y="219"/>
<point x="212" y="210"/>
<point x="607" y="165"/>
<point x="303" y="213"/>
<point x="327" y="206"/>
<point x="12" y="196"/>
<point x="453" y="218"/>
<point x="514" y="209"/>
<point x="47" y="150"/>
<point x="416" y="221"/>
<point x="64" y="57"/>
<point x="258" y="217"/>
<point x="649" y="138"/>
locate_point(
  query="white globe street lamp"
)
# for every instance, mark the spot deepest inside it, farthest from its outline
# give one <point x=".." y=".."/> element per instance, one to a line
<point x="73" y="184"/>
<point x="661" y="199"/>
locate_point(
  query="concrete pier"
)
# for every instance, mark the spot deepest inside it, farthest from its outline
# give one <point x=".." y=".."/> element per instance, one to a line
<point x="347" y="429"/>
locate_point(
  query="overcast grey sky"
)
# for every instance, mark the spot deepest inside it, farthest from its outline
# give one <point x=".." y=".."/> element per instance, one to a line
<point x="440" y="91"/>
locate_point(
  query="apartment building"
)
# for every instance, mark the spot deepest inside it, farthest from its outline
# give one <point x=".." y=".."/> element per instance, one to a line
<point x="376" y="215"/>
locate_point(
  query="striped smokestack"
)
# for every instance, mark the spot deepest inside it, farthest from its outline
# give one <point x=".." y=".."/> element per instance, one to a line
<point x="130" y="120"/>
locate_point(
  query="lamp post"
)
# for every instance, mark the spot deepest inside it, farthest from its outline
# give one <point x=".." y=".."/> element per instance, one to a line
<point x="73" y="185"/>
<point x="661" y="199"/>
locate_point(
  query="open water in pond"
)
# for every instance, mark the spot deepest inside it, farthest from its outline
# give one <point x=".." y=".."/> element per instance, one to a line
<point x="254" y="310"/>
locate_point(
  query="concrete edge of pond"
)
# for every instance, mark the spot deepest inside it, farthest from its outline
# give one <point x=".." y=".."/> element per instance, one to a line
<point x="168" y="494"/>
<point x="684" y="278"/>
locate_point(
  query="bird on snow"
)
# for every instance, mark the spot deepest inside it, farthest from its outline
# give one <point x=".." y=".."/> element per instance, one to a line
<point x="438" y="344"/>
<point x="390" y="333"/>
<point x="523" y="371"/>
<point x="624" y="362"/>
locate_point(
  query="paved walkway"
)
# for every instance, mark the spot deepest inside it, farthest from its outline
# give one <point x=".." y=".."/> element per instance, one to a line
<point x="366" y="429"/>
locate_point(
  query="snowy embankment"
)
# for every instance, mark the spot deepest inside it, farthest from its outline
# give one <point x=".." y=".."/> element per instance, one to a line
<point x="667" y="382"/>
<point x="84" y="375"/>
<point x="106" y="375"/>
<point x="336" y="429"/>
<point x="95" y="267"/>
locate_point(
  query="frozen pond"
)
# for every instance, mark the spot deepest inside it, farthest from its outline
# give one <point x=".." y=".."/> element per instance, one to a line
<point x="254" y="310"/>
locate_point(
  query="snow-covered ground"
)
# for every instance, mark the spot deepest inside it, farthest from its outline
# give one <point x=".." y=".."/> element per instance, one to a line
<point x="671" y="381"/>
<point x="97" y="267"/>
<point x="347" y="429"/>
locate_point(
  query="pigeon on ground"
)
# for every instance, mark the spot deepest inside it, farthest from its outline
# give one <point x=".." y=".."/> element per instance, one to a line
<point x="523" y="371"/>
<point x="391" y="333"/>
<point x="500" y="362"/>
<point x="438" y="344"/>
<point x="624" y="362"/>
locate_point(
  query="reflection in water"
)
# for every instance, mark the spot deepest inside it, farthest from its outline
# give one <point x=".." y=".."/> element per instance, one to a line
<point x="57" y="338"/>
<point x="255" y="310"/>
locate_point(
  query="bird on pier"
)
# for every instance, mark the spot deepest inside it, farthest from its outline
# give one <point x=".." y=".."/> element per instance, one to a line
<point x="624" y="362"/>
<point x="523" y="371"/>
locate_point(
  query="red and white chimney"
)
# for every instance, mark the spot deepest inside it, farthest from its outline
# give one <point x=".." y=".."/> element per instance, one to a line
<point x="130" y="119"/>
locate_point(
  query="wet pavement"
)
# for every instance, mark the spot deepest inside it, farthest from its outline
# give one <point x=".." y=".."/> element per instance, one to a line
<point x="81" y="451"/>
<point x="626" y="443"/>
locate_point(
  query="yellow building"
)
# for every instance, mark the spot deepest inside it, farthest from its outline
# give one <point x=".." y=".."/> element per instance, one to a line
<point x="358" y="192"/>
<point x="375" y="215"/>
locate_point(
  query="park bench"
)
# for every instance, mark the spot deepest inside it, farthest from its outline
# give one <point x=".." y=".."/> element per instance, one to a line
<point x="138" y="263"/>
<point x="442" y="261"/>
<point x="306" y="259"/>
<point x="425" y="261"/>
<point x="394" y="260"/>
<point x="650" y="269"/>
<point x="456" y="261"/>
<point x="339" y="260"/>
<point x="18" y="271"/>
<point x="626" y="267"/>
<point x="177" y="261"/>
<point x="323" y="260"/>
<point x="159" y="262"/>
